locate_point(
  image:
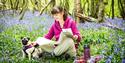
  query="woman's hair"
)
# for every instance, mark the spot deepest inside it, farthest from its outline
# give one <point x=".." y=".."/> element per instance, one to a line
<point x="58" y="9"/>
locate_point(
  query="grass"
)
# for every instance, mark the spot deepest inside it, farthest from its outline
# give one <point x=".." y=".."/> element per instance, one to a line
<point x="101" y="42"/>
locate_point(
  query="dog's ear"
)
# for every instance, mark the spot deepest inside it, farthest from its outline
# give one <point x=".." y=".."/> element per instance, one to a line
<point x="21" y="38"/>
<point x="28" y="38"/>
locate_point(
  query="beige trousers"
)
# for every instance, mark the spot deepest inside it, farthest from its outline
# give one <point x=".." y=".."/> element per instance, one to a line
<point x="65" y="45"/>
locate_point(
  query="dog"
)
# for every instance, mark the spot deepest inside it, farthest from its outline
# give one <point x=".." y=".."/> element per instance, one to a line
<point x="37" y="50"/>
<point x="29" y="50"/>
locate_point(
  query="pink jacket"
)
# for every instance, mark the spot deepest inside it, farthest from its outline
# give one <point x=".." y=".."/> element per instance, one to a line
<point x="55" y="29"/>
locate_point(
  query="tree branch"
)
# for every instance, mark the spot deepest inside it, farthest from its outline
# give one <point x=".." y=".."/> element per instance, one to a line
<point x="87" y="18"/>
<point x="45" y="7"/>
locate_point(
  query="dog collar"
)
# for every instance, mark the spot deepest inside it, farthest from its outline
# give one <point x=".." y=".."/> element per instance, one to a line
<point x="28" y="46"/>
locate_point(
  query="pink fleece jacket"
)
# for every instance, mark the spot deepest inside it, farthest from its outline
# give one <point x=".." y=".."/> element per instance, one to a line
<point x="56" y="29"/>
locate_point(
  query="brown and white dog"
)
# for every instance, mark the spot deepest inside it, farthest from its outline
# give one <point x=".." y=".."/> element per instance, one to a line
<point x="29" y="50"/>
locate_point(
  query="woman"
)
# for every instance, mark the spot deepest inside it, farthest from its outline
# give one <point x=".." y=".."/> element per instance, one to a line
<point x="62" y="21"/>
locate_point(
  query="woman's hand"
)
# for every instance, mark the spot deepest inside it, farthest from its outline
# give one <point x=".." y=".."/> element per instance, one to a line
<point x="34" y="43"/>
<point x="75" y="37"/>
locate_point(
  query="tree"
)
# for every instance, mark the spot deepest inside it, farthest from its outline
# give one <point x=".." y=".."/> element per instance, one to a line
<point x="77" y="9"/>
<point x="112" y="9"/>
<point x="101" y="10"/>
<point x="121" y="6"/>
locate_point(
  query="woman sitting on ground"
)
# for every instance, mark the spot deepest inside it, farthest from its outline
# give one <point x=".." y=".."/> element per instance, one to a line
<point x="63" y="21"/>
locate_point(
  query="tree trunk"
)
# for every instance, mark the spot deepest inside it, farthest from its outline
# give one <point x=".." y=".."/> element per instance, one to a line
<point x="88" y="9"/>
<point x="112" y="9"/>
<point x="92" y="8"/>
<point x="97" y="5"/>
<point x="65" y="4"/>
<point x="121" y="6"/>
<point x="101" y="11"/>
<point x="77" y="9"/>
<point x="52" y="3"/>
<point x="124" y="10"/>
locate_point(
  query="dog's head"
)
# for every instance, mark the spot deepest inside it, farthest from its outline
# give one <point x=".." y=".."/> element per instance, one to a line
<point x="25" y="40"/>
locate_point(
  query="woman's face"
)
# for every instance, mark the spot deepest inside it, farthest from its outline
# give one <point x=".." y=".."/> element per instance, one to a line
<point x="58" y="16"/>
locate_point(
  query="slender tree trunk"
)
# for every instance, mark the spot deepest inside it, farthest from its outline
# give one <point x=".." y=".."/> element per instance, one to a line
<point x="122" y="4"/>
<point x="101" y="11"/>
<point x="121" y="7"/>
<point x="3" y="4"/>
<point x="52" y="3"/>
<point x="112" y="9"/>
<point x="97" y="5"/>
<point x="88" y="7"/>
<point x="16" y="5"/>
<point x="92" y="8"/>
<point x="67" y="5"/>
<point x="124" y="10"/>
<point x="82" y="9"/>
<point x="22" y="13"/>
<point x="77" y="9"/>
